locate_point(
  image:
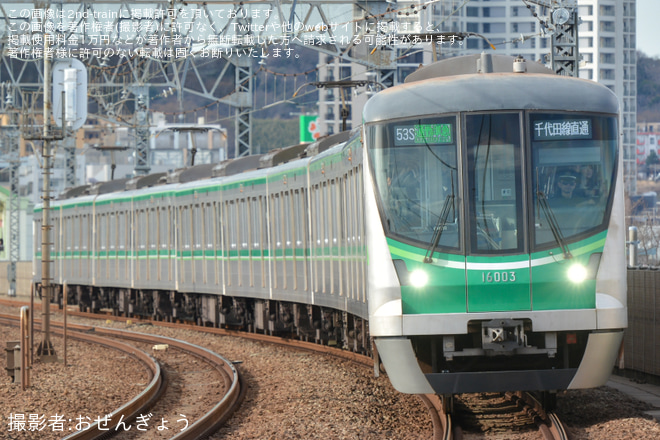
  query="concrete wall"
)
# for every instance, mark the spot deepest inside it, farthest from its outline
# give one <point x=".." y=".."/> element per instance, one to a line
<point x="23" y="278"/>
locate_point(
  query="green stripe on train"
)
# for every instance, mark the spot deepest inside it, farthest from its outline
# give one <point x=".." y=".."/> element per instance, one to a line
<point x="459" y="284"/>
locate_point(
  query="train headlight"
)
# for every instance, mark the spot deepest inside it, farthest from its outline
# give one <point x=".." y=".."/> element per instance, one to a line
<point x="418" y="278"/>
<point x="577" y="273"/>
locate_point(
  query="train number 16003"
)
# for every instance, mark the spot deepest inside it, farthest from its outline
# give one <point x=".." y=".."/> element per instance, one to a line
<point x="498" y="277"/>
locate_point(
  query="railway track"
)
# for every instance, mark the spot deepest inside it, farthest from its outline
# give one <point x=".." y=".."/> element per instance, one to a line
<point x="445" y="427"/>
<point x="139" y="404"/>
<point x="505" y="413"/>
<point x="204" y="425"/>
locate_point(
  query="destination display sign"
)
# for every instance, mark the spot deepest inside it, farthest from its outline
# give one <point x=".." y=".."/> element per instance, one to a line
<point x="565" y="129"/>
<point x="421" y="134"/>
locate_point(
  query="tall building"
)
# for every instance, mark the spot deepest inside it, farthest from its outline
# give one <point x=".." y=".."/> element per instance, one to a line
<point x="606" y="45"/>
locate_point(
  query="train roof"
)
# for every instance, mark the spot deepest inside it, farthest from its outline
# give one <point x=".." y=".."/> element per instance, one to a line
<point x="483" y="63"/>
<point x="190" y="174"/>
<point x="206" y="174"/>
<point x="281" y="155"/>
<point x="108" y="187"/>
<point x="327" y="142"/>
<point x="147" y="181"/>
<point x="72" y="192"/>
<point x="430" y="92"/>
<point x="237" y="166"/>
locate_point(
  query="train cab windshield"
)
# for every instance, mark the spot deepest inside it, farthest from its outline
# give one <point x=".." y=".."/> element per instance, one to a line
<point x="528" y="181"/>
<point x="415" y="168"/>
<point x="573" y="171"/>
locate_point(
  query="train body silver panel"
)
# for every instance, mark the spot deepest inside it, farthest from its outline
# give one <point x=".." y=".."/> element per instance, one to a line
<point x="210" y="260"/>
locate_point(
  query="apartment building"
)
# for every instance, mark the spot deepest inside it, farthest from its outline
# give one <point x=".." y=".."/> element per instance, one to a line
<point x="607" y="45"/>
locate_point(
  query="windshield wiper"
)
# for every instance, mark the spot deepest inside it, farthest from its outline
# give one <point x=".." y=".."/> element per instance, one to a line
<point x="439" y="227"/>
<point x="554" y="225"/>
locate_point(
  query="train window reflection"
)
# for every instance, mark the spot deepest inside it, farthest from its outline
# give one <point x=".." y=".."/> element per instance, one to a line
<point x="494" y="182"/>
<point x="573" y="166"/>
<point x="415" y="170"/>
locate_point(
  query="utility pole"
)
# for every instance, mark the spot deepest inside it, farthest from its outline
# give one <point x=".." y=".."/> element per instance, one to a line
<point x="564" y="54"/>
<point x="565" y="58"/>
<point x="46" y="350"/>
<point x="142" y="165"/>
<point x="243" y="105"/>
<point x="14" y="202"/>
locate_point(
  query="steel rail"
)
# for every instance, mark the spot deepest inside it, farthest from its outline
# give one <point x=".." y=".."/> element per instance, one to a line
<point x="441" y="420"/>
<point x="557" y="429"/>
<point x="206" y="424"/>
<point x="442" y="423"/>
<point x="132" y="408"/>
<point x="213" y="419"/>
<point x="548" y="422"/>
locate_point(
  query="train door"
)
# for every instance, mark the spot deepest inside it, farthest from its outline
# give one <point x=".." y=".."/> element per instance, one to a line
<point x="497" y="271"/>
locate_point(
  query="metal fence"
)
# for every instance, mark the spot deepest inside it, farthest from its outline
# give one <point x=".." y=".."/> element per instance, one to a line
<point x="642" y="338"/>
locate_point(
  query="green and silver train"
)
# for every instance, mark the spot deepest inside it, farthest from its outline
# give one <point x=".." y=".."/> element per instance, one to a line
<point x="472" y="228"/>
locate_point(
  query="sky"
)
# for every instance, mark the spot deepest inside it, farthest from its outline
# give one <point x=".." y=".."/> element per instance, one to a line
<point x="648" y="31"/>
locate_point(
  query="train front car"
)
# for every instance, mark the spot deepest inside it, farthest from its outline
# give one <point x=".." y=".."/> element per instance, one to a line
<point x="495" y="229"/>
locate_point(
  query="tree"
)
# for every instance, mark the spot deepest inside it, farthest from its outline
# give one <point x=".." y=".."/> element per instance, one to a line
<point x="648" y="88"/>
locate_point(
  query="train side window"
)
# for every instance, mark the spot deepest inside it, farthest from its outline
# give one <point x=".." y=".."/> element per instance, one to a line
<point x="287" y="217"/>
<point x="111" y="230"/>
<point x="68" y="235"/>
<point x="173" y="224"/>
<point x="316" y="218"/>
<point x="317" y="213"/>
<point x="255" y="220"/>
<point x="163" y="226"/>
<point x="335" y="212"/>
<point x="185" y="228"/>
<point x="75" y="221"/>
<point x="152" y="224"/>
<point x="274" y="217"/>
<point x="218" y="226"/>
<point x="208" y="225"/>
<point x="137" y="230"/>
<point x="231" y="226"/>
<point x="82" y="231"/>
<point x="113" y="226"/>
<point x="120" y="236"/>
<point x="101" y="232"/>
<point x="82" y="225"/>
<point x="228" y="237"/>
<point x="56" y="237"/>
<point x="299" y="219"/>
<point x="243" y="223"/>
<point x="143" y="236"/>
<point x="91" y="238"/>
<point x="196" y="226"/>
